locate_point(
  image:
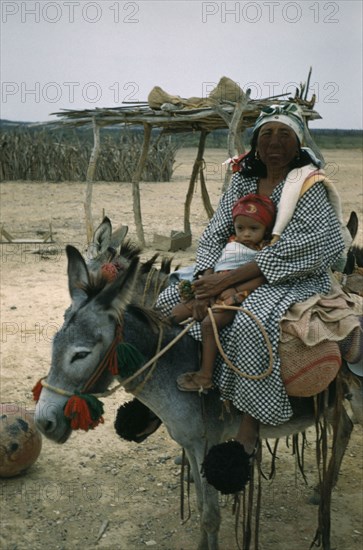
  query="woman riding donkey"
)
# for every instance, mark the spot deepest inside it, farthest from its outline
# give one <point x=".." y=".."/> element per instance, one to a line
<point x="296" y="266"/>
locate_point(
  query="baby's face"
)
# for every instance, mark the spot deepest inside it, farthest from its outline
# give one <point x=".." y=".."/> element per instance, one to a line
<point x="248" y="231"/>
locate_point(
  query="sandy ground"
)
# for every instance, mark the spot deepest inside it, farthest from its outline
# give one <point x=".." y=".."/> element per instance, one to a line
<point x="96" y="480"/>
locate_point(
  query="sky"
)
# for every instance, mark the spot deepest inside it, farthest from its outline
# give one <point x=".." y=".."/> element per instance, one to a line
<point x="81" y="54"/>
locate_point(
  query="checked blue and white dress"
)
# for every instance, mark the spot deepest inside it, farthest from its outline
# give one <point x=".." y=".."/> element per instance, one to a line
<point x="296" y="267"/>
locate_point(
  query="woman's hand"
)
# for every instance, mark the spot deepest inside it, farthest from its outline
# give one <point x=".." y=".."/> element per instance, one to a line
<point x="209" y="286"/>
<point x="200" y="309"/>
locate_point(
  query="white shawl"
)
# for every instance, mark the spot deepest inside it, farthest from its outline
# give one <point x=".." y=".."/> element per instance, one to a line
<point x="298" y="181"/>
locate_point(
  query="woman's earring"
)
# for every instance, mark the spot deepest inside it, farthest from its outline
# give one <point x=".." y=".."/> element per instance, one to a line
<point x="257" y="155"/>
<point x="297" y="155"/>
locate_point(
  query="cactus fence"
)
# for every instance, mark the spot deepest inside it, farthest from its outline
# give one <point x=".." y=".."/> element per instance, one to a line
<point x="44" y="155"/>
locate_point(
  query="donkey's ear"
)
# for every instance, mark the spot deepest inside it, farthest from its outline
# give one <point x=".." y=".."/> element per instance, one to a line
<point x="78" y="277"/>
<point x="102" y="235"/>
<point x="117" y="295"/>
<point x="118" y="236"/>
<point x="352" y="224"/>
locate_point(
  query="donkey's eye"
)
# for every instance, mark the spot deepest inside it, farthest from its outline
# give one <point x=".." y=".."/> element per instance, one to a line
<point x="79" y="355"/>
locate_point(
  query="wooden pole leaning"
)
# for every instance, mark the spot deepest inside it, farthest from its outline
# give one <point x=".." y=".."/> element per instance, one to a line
<point x="196" y="170"/>
<point x="136" y="181"/>
<point x="234" y="142"/>
<point x="90" y="179"/>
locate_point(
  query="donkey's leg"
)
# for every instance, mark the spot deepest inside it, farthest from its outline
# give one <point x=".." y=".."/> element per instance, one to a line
<point x="343" y="433"/>
<point x="344" y="429"/>
<point x="208" y="501"/>
<point x="356" y="399"/>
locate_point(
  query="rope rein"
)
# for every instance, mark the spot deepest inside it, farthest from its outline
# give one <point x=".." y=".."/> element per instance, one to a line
<point x="264" y="374"/>
<point x="126" y="381"/>
<point x="70" y="394"/>
<point x="152" y="367"/>
<point x="160" y="352"/>
<point x="84" y="410"/>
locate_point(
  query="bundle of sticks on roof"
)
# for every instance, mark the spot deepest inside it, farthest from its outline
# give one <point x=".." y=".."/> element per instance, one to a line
<point x="176" y="114"/>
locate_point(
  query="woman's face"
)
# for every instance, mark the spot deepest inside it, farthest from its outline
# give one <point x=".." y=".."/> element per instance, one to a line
<point x="277" y="145"/>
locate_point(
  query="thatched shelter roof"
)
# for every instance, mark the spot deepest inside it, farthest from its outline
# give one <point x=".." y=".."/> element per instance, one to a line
<point x="226" y="107"/>
<point x="182" y="119"/>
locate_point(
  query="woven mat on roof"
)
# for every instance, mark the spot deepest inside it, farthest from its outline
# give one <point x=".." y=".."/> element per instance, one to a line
<point x="226" y="90"/>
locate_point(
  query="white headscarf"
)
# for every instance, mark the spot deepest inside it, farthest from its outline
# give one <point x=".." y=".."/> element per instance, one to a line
<point x="286" y="114"/>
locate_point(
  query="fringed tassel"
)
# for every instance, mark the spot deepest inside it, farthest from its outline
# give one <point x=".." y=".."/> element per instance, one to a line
<point x="37" y="389"/>
<point x="84" y="412"/>
<point x="129" y="359"/>
<point x="113" y="364"/>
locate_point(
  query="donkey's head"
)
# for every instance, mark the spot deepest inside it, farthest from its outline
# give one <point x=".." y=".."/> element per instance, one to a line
<point x="111" y="254"/>
<point x="82" y="342"/>
<point x="352" y="279"/>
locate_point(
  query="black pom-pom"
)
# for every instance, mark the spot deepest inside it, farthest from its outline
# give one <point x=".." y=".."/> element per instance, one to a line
<point x="227" y="467"/>
<point x="134" y="418"/>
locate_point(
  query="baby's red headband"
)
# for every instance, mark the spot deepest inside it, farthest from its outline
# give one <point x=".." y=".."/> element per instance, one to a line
<point x="258" y="207"/>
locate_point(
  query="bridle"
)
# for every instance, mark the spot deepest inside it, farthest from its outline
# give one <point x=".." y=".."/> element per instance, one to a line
<point x="84" y="410"/>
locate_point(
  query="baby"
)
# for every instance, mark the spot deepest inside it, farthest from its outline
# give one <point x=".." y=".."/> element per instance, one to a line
<point x="253" y="217"/>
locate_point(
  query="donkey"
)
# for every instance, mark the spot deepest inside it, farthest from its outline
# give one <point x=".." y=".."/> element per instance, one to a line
<point x="104" y="249"/>
<point x="88" y="333"/>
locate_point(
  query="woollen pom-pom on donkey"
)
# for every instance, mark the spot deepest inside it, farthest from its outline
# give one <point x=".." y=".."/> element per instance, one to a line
<point x="228" y="467"/>
<point x="135" y="422"/>
<point x="84" y="410"/>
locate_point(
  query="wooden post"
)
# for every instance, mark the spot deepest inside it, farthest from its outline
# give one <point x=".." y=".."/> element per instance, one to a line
<point x="90" y="179"/>
<point x="135" y="184"/>
<point x="196" y="168"/>
<point x="205" y="196"/>
<point x="233" y="137"/>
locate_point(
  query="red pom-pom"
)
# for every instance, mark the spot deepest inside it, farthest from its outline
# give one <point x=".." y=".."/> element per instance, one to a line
<point x="109" y="272"/>
<point x="84" y="412"/>
<point x="36" y="391"/>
